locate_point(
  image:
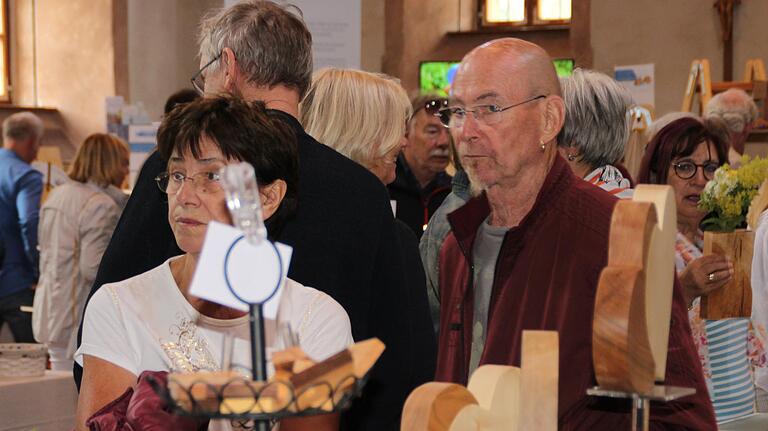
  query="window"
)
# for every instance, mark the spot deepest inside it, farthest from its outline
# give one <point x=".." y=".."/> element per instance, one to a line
<point x="524" y="13"/>
<point x="4" y="67"/>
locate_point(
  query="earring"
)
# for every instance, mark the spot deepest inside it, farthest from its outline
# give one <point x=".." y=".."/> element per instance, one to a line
<point x="543" y="146"/>
<point x="571" y="157"/>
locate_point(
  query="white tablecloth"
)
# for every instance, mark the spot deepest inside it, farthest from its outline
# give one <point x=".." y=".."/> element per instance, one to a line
<point x="44" y="403"/>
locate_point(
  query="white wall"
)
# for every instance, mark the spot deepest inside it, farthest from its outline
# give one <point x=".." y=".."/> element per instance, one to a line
<point x="162" y="48"/>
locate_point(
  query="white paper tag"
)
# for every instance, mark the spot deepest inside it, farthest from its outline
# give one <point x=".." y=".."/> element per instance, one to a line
<point x="252" y="271"/>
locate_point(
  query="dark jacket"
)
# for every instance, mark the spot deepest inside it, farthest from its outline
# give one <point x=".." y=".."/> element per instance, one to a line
<point x="546" y="278"/>
<point x="416" y="205"/>
<point x="345" y="244"/>
<point x="424" y="341"/>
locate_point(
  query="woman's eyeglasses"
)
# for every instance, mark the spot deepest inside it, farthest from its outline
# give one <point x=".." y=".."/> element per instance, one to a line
<point x="204" y="182"/>
<point x="687" y="170"/>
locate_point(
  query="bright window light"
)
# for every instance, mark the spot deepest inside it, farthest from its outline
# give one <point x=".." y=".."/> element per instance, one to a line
<point x="507" y="10"/>
<point x="554" y="10"/>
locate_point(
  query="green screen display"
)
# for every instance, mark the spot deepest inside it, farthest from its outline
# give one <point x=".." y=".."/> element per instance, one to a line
<point x="563" y="66"/>
<point x="436" y="77"/>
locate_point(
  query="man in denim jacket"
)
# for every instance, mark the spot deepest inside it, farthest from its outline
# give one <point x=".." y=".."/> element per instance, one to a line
<point x="20" y="189"/>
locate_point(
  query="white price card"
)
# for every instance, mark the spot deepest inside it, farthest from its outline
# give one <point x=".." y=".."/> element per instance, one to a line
<point x="233" y="272"/>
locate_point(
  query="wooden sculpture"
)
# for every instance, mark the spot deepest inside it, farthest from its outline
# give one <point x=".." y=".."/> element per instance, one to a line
<point x="497" y="398"/>
<point x="634" y="295"/>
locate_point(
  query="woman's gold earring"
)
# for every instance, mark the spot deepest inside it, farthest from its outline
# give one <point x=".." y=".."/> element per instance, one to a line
<point x="543" y="146"/>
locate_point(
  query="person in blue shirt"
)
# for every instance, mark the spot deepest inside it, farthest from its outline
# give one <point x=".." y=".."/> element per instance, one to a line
<point x="20" y="189"/>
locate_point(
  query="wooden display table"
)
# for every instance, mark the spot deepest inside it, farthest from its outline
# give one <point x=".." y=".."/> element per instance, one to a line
<point x="45" y="403"/>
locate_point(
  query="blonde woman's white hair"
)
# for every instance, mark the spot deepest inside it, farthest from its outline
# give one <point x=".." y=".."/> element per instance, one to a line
<point x="361" y="115"/>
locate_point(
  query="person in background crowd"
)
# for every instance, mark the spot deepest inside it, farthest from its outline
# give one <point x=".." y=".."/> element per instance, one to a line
<point x="181" y="97"/>
<point x="738" y="111"/>
<point x="21" y="187"/>
<point x="343" y="233"/>
<point x="76" y="223"/>
<point x="422" y="183"/>
<point x="685" y="155"/>
<point x="505" y="248"/>
<point x="437" y="229"/>
<point x="597" y="127"/>
<point x="372" y="134"/>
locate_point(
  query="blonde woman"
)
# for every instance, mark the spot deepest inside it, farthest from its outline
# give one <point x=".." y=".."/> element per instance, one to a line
<point x="76" y="223"/>
<point x="363" y="116"/>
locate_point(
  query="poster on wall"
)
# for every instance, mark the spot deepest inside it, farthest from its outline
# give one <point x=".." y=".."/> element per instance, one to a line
<point x="142" y="140"/>
<point x="639" y="80"/>
<point x="335" y="27"/>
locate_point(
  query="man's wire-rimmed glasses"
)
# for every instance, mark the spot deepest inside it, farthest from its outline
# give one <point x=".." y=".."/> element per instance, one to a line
<point x="198" y="79"/>
<point x="454" y="117"/>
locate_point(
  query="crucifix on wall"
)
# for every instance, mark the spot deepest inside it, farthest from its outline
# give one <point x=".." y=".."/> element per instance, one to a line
<point x="725" y="10"/>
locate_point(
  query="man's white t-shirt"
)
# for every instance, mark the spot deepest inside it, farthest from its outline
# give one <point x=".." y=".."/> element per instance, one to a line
<point x="145" y="323"/>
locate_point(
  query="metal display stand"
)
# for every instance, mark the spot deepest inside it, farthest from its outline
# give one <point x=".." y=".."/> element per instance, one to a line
<point x="256" y="321"/>
<point x="641" y="410"/>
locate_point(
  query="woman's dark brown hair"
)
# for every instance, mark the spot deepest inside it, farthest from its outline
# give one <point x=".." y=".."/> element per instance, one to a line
<point x="243" y="131"/>
<point x="679" y="138"/>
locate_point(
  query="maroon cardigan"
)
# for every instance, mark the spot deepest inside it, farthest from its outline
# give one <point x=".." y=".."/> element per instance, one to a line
<point x="546" y="277"/>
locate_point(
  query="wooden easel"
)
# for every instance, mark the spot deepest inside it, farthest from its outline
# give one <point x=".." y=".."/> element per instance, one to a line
<point x="700" y="83"/>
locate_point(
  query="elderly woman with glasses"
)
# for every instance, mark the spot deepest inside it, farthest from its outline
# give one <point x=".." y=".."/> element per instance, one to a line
<point x="151" y="322"/>
<point x="685" y="155"/>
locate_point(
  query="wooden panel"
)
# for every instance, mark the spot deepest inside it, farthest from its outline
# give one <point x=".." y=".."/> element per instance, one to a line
<point x="539" y="363"/>
<point x="735" y="298"/>
<point x="660" y="270"/>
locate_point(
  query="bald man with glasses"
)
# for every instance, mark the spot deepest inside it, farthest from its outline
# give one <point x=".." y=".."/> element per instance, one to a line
<point x="527" y="250"/>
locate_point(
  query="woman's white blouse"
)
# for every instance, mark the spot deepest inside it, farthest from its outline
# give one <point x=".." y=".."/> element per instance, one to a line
<point x="145" y="323"/>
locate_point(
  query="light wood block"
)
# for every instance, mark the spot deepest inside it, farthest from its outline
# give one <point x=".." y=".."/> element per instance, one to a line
<point x="540" y="373"/>
<point x="735" y="298"/>
<point x="660" y="270"/>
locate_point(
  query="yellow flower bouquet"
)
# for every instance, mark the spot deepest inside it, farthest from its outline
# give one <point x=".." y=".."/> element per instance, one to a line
<point x="727" y="197"/>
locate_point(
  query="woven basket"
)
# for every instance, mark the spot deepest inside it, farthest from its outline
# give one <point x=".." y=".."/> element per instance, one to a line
<point x="22" y="359"/>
